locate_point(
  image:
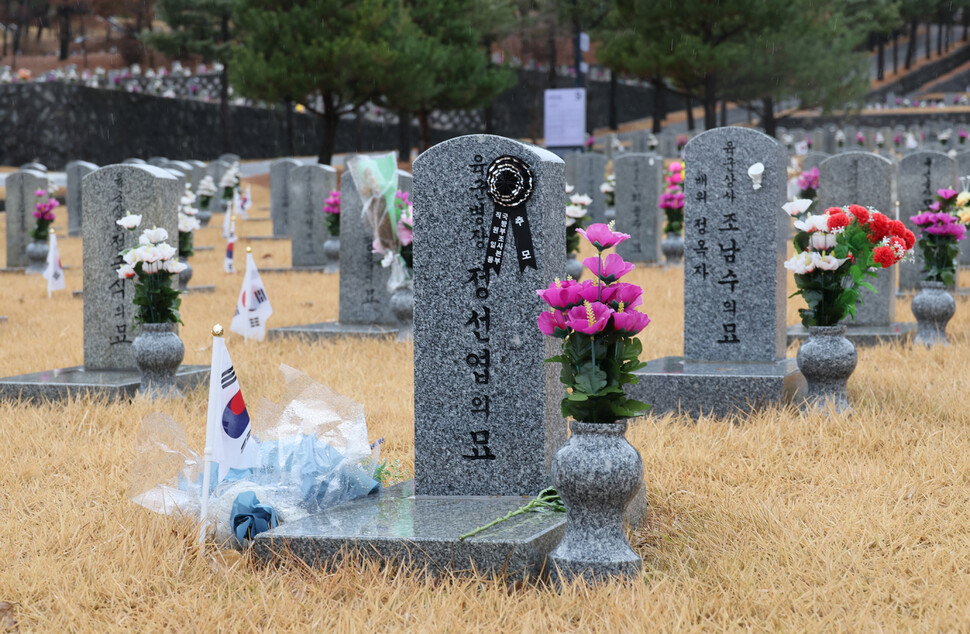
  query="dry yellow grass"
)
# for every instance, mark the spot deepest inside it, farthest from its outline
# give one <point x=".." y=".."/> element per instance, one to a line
<point x="782" y="522"/>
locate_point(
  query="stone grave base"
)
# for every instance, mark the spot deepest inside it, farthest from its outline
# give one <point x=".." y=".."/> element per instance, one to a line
<point x="207" y="247"/>
<point x="257" y="238"/>
<point x="294" y="269"/>
<point x="13" y="269"/>
<point x="422" y="532"/>
<point x="203" y="288"/>
<point x="863" y="335"/>
<point x="114" y="384"/>
<point x="332" y="330"/>
<point x="718" y="388"/>
<point x="260" y="219"/>
<point x="961" y="292"/>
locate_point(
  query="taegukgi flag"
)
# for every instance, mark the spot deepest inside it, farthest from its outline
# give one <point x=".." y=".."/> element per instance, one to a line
<point x="54" y="273"/>
<point x="246" y="203"/>
<point x="228" y="428"/>
<point x="252" y="307"/>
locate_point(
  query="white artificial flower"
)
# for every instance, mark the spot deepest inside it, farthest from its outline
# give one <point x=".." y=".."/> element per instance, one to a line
<point x="880" y="139"/>
<point x="581" y="199"/>
<point x="126" y="271"/>
<point x="819" y="222"/>
<point x="570" y="221"/>
<point x="797" y="207"/>
<point x="822" y="241"/>
<point x="575" y="211"/>
<point x="944" y="136"/>
<point x="826" y="262"/>
<point x="606" y="188"/>
<point x="839" y="136"/>
<point x="174" y="266"/>
<point x="166" y="251"/>
<point x="146" y="254"/>
<point x="787" y="139"/>
<point x="207" y="187"/>
<point x="801" y="263"/>
<point x="153" y="236"/>
<point x="569" y="188"/>
<point x="188" y="197"/>
<point x="188" y="223"/>
<point x="130" y="221"/>
<point x="130" y="257"/>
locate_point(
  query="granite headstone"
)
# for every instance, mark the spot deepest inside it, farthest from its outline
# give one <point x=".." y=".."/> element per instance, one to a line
<point x="590" y="174"/>
<point x="309" y="187"/>
<point x="76" y="170"/>
<point x="36" y="167"/>
<point x="921" y="174"/>
<point x="639" y="180"/>
<point x="279" y="183"/>
<point x="813" y="159"/>
<point x="198" y="172"/>
<point x="20" y="205"/>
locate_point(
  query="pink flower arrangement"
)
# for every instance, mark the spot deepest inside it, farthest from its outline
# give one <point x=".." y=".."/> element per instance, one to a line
<point x="331" y="207"/>
<point x="598" y="321"/>
<point x="860" y="138"/>
<point x="44" y="213"/>
<point x="808" y="183"/>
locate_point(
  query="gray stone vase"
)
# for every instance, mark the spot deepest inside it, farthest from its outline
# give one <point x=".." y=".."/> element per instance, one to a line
<point x="574" y="268"/>
<point x="827" y="360"/>
<point x="597" y="473"/>
<point x="933" y="307"/>
<point x="673" y="248"/>
<point x="186" y="274"/>
<point x="158" y="352"/>
<point x="331" y="251"/>
<point x="37" y="256"/>
<point x="204" y="216"/>
<point x="402" y="306"/>
<point x="610" y="213"/>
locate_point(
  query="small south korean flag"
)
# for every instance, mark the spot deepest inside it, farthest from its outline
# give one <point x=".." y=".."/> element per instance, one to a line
<point x="54" y="273"/>
<point x="246" y="203"/>
<point x="228" y="428"/>
<point x="252" y="307"/>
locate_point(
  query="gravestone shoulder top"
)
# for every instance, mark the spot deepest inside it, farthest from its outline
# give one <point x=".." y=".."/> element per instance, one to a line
<point x="488" y="232"/>
<point x="735" y="245"/>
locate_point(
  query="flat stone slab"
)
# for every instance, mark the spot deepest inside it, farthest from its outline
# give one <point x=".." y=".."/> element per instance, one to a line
<point x="13" y="269"/>
<point x="422" y="532"/>
<point x="863" y="335"/>
<point x="294" y="269"/>
<point x="718" y="388"/>
<point x="202" y="288"/>
<point x="208" y="247"/>
<point x="259" y="238"/>
<point x="115" y="384"/>
<point x="332" y="330"/>
<point x="260" y="219"/>
<point x="962" y="291"/>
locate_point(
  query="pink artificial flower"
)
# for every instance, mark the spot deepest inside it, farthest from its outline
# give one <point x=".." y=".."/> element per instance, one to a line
<point x="614" y="267"/>
<point x="935" y="205"/>
<point x="590" y="318"/>
<point x="601" y="236"/>
<point x="40" y="192"/>
<point x="629" y="294"/>
<point x="553" y="323"/>
<point x="629" y="323"/>
<point x="563" y="295"/>
<point x="946" y="194"/>
<point x="404" y="234"/>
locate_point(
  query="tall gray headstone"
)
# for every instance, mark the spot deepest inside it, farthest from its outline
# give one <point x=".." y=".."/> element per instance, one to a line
<point x="813" y="159"/>
<point x="36" y="167"/>
<point x="364" y="298"/>
<point x="963" y="163"/>
<point x="668" y="144"/>
<point x="180" y="176"/>
<point x="20" y="206"/>
<point x="638" y="187"/>
<point x="134" y="161"/>
<point x="157" y="161"/>
<point x="590" y="174"/>
<point x="570" y="161"/>
<point x="217" y="170"/>
<point x="866" y="179"/>
<point x="198" y="172"/>
<point x="736" y="238"/>
<point x="405" y="182"/>
<point x="107" y="195"/>
<point x="921" y="174"/>
<point x="230" y="158"/>
<point x="279" y="179"/>
<point x="76" y="170"/>
<point x="829" y="146"/>
<point x="185" y="168"/>
<point x="309" y="187"/>
<point x="486" y="406"/>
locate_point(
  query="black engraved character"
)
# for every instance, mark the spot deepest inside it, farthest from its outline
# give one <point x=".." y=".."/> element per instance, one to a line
<point x="480" y="439"/>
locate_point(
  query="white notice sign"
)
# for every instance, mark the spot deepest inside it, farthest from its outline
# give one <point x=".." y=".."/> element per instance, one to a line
<point x="565" y="117"/>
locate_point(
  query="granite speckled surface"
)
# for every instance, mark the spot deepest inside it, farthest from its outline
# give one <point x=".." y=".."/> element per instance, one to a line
<point x="364" y="298"/>
<point x="865" y="179"/>
<point x="920" y="175"/>
<point x="74" y="381"/>
<point x="20" y="201"/>
<point x="639" y="180"/>
<point x="933" y="308"/>
<point x="422" y="532"/>
<point x="459" y="450"/>
<point x="107" y="195"/>
<point x="279" y="194"/>
<point x="590" y="174"/>
<point x="827" y="360"/>
<point x="332" y="329"/>
<point x="861" y="336"/>
<point x="309" y="187"/>
<point x="736" y="240"/>
<point x="216" y="169"/>
<point x="814" y="159"/>
<point x="198" y="173"/>
<point x="76" y="170"/>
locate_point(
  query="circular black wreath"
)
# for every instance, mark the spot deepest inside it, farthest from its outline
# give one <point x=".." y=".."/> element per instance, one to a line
<point x="509" y="181"/>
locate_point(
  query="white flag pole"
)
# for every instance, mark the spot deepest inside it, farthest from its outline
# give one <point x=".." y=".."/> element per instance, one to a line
<point x="217" y="331"/>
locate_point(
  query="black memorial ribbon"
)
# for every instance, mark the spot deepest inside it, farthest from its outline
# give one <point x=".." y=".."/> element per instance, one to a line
<point x="509" y="184"/>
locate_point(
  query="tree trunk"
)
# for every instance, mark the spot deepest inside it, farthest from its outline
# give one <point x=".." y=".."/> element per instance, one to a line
<point x="290" y="147"/>
<point x="425" y="131"/>
<point x="689" y="109"/>
<point x="614" y="121"/>
<point x="658" y="104"/>
<point x="929" y="40"/>
<point x="710" y="101"/>
<point x="65" y="32"/>
<point x="911" y="44"/>
<point x="895" y="52"/>
<point x="224" y="110"/>
<point x="330" y="121"/>
<point x="768" y="121"/>
<point x="40" y="29"/>
<point x="404" y="135"/>
<point x="6" y="20"/>
<point x="724" y="108"/>
<point x="880" y="59"/>
<point x="966" y="22"/>
<point x="939" y="39"/>
<point x="552" y="54"/>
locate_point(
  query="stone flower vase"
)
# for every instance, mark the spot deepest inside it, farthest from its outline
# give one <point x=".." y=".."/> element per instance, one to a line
<point x="673" y="248"/>
<point x="933" y="307"/>
<point x="204" y="216"/>
<point x="37" y="256"/>
<point x="402" y="306"/>
<point x="597" y="473"/>
<point x="186" y="274"/>
<point x="158" y="352"/>
<point x="574" y="268"/>
<point x="610" y="213"/>
<point x="331" y="251"/>
<point x="827" y="359"/>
